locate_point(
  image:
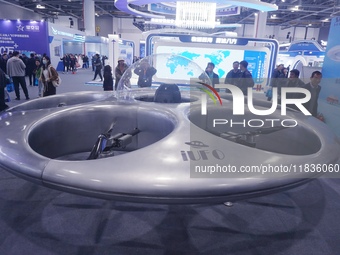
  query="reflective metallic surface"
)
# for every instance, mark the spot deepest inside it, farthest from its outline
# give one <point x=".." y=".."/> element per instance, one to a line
<point x="62" y="100"/>
<point x="50" y="146"/>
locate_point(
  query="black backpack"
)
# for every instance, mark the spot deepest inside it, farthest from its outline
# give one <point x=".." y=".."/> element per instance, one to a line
<point x="167" y="93"/>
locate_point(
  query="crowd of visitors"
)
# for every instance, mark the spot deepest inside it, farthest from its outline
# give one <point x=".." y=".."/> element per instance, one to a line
<point x="15" y="67"/>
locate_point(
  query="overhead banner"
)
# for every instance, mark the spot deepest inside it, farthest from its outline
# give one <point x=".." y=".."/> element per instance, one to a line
<point x="329" y="105"/>
<point x="24" y="36"/>
<point x="170" y="9"/>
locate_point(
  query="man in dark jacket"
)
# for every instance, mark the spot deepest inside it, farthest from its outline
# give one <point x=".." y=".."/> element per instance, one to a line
<point x="30" y="68"/>
<point x="233" y="75"/>
<point x="3" y="83"/>
<point x="209" y="70"/>
<point x="314" y="89"/>
<point x="98" y="65"/>
<point x="294" y="82"/>
<point x="278" y="79"/>
<point x="246" y="79"/>
<point x="3" y="62"/>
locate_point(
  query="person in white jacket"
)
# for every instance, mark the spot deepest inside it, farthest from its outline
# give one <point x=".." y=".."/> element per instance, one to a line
<point x="16" y="70"/>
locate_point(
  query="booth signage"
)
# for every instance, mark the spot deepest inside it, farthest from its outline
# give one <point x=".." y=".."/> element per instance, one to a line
<point x="213" y="40"/>
<point x="24" y="36"/>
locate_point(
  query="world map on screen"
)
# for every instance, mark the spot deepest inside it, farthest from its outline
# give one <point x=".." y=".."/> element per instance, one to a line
<point x="223" y="59"/>
<point x="218" y="58"/>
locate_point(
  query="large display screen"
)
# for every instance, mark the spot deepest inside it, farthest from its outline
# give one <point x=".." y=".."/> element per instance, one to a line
<point x="220" y="51"/>
<point x="222" y="58"/>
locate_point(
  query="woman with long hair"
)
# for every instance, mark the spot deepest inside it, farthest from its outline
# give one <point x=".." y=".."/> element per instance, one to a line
<point x="38" y="71"/>
<point x="108" y="80"/>
<point x="48" y="75"/>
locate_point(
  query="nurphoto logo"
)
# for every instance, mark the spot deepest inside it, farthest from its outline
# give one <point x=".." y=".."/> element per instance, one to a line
<point x="238" y="105"/>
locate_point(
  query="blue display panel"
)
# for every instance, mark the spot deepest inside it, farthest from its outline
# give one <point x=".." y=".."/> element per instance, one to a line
<point x="126" y="50"/>
<point x="24" y="36"/>
<point x="256" y="64"/>
<point x="222" y="51"/>
<point x="141" y="50"/>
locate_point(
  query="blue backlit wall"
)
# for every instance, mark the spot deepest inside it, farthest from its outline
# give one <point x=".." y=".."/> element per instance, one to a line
<point x="24" y="36"/>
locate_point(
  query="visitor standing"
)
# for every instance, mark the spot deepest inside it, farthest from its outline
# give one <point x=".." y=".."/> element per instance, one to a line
<point x="16" y="70"/>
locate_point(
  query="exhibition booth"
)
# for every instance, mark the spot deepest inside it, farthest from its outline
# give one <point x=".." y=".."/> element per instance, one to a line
<point x="302" y="53"/>
<point x="65" y="40"/>
<point x="54" y="40"/>
<point x="222" y="51"/>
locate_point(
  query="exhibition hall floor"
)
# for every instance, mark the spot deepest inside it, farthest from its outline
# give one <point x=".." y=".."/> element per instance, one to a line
<point x="70" y="83"/>
<point x="38" y="220"/>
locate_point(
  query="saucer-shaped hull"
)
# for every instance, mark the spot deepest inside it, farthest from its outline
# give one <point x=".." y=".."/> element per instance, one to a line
<point x="167" y="161"/>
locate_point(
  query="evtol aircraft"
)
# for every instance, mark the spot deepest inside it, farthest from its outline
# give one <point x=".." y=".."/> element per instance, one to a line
<point x="154" y="145"/>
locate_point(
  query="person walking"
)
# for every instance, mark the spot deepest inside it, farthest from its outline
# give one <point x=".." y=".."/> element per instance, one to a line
<point x="16" y="70"/>
<point x="48" y="75"/>
<point x="98" y="65"/>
